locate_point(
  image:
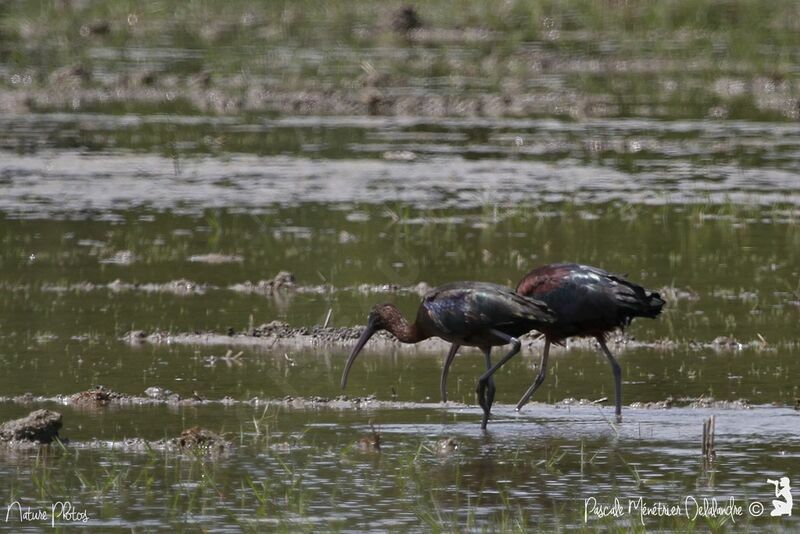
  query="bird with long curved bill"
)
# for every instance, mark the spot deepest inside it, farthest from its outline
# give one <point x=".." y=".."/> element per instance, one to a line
<point x="588" y="302"/>
<point x="475" y="314"/>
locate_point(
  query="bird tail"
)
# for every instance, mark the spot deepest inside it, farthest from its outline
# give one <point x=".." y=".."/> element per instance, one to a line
<point x="636" y="300"/>
<point x="651" y="305"/>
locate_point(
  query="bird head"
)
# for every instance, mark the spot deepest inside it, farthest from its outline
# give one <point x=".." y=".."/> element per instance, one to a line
<point x="380" y="318"/>
<point x="383" y="316"/>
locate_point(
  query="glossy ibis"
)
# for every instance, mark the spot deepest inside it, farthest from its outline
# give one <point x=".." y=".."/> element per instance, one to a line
<point x="474" y="314"/>
<point x="588" y="302"/>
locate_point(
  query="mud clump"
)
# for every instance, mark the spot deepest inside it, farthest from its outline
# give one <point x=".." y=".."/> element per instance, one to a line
<point x="282" y="280"/>
<point x="40" y="426"/>
<point x="726" y="343"/>
<point x="693" y="402"/>
<point x="281" y="330"/>
<point x="274" y="328"/>
<point x="280" y="335"/>
<point x="136" y="336"/>
<point x="723" y="344"/>
<point x="153" y="395"/>
<point x="99" y="396"/>
<point x="337" y="334"/>
<point x="193" y="441"/>
<point x="710" y="402"/>
<point x="162" y="394"/>
<point x="368" y="289"/>
<point x="197" y="438"/>
<point x="176" y="287"/>
<point x="657" y="405"/>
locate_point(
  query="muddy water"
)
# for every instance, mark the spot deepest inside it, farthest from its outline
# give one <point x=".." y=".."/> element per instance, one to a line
<point x="112" y="224"/>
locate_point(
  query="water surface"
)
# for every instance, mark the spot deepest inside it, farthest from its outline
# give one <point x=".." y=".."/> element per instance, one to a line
<point x="102" y="212"/>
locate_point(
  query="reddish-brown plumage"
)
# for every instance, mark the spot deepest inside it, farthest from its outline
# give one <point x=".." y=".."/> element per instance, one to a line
<point x="542" y="280"/>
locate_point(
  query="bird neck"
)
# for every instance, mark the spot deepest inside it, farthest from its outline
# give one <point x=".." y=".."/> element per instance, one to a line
<point x="403" y="330"/>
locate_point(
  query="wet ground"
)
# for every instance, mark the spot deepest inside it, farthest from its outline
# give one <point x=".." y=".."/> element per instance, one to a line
<point x="168" y="280"/>
<point x="212" y="269"/>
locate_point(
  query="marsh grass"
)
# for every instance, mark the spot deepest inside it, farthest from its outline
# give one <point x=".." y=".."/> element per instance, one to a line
<point x="686" y="45"/>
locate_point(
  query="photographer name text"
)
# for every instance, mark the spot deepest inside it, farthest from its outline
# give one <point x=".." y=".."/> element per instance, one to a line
<point x="60" y="511"/>
<point x="691" y="508"/>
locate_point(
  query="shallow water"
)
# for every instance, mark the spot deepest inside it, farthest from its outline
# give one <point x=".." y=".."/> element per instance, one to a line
<point x="303" y="470"/>
<point x="99" y="214"/>
<point x="124" y="162"/>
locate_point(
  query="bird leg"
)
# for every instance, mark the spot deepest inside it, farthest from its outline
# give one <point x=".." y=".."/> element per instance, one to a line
<point x="617" y="377"/>
<point x="490" y="392"/>
<point x="539" y="378"/>
<point x="486" y="400"/>
<point x="484" y="379"/>
<point x="447" y="361"/>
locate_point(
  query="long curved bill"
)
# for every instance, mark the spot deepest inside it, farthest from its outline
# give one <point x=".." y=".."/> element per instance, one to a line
<point x="368" y="332"/>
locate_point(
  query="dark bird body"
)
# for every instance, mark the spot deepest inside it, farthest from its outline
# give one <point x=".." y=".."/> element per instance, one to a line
<point x="474" y="314"/>
<point x="588" y="302"/>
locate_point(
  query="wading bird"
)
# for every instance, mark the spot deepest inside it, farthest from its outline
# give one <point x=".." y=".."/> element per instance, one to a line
<point x="474" y="314"/>
<point x="588" y="302"/>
